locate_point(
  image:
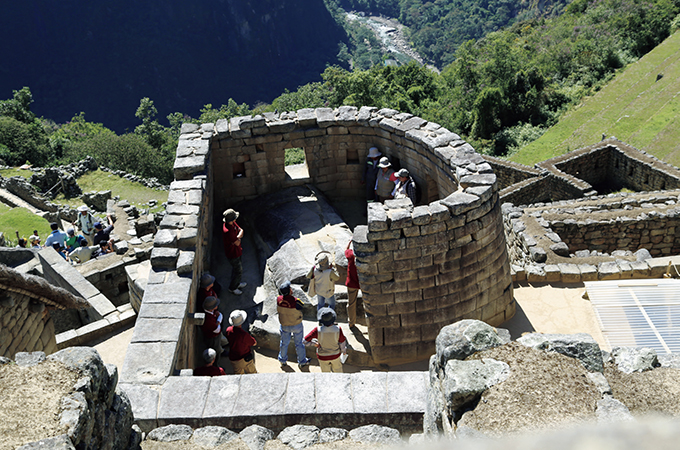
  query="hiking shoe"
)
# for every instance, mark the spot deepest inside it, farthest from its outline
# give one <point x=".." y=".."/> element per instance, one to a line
<point x="304" y="363"/>
<point x="283" y="363"/>
<point x="242" y="284"/>
<point x="236" y="291"/>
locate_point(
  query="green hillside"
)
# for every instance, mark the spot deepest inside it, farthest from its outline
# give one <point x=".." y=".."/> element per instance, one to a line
<point x="635" y="107"/>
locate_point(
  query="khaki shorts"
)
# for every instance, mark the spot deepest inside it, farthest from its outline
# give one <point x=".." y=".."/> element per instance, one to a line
<point x="242" y="366"/>
<point x="331" y="365"/>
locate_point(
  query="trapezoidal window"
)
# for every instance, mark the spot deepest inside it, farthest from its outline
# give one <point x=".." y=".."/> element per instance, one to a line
<point x="295" y="161"/>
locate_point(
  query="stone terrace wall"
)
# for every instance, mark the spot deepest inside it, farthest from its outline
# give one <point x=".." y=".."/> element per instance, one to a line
<point x="612" y="161"/>
<point x="163" y="338"/>
<point x="575" y="174"/>
<point x="25" y="326"/>
<point x="594" y="238"/>
<point x="509" y="173"/>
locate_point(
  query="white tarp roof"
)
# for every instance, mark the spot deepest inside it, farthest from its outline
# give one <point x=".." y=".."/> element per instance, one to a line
<point x="638" y="313"/>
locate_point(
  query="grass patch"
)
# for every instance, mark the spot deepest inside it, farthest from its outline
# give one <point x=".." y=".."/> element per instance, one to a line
<point x="635" y="106"/>
<point x="8" y="173"/>
<point x="135" y="193"/>
<point x="294" y="156"/>
<point x="23" y="221"/>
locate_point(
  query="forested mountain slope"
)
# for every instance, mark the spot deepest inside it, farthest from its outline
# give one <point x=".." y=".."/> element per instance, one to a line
<point x="102" y="57"/>
<point x="641" y="106"/>
<point x="438" y="28"/>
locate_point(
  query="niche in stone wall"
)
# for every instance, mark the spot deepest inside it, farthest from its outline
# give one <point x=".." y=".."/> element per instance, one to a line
<point x="295" y="162"/>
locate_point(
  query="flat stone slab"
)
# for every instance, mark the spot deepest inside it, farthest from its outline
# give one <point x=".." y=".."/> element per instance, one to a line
<point x="236" y="401"/>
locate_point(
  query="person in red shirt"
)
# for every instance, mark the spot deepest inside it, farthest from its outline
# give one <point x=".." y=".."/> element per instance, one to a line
<point x="240" y="343"/>
<point x="210" y="369"/>
<point x="328" y="340"/>
<point x="231" y="239"/>
<point x="352" y="284"/>
<point x="207" y="287"/>
<point x="212" y="326"/>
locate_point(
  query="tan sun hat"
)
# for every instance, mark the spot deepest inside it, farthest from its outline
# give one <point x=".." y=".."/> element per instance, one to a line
<point x="230" y="215"/>
<point x="237" y="317"/>
<point x="384" y="162"/>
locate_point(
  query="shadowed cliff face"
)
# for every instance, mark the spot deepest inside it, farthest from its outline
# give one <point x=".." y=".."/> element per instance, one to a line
<point x="102" y="57"/>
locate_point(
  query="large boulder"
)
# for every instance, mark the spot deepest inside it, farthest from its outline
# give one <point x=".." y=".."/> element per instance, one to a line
<point x="96" y="200"/>
<point x="256" y="436"/>
<point x="376" y="434"/>
<point x="171" y="433"/>
<point x="212" y="436"/>
<point x="299" y="436"/>
<point x="463" y="338"/>
<point x="465" y="381"/>
<point x="581" y="346"/>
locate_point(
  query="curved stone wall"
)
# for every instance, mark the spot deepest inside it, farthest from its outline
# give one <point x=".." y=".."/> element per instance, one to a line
<point x="420" y="267"/>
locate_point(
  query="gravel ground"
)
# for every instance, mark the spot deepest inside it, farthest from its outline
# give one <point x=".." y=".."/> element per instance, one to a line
<point x="653" y="392"/>
<point x="29" y="401"/>
<point x="544" y="390"/>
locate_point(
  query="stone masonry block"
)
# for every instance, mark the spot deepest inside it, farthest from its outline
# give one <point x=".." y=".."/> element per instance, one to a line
<point x="439" y="212"/>
<point x="371" y="388"/>
<point x="400" y="308"/>
<point x="421" y="215"/>
<point x="391" y="245"/>
<point x="383" y="322"/>
<point x="407" y="253"/>
<point x="588" y="272"/>
<point x="459" y="203"/>
<point x="377" y="217"/>
<point x="408" y="296"/>
<point x="374" y="236"/>
<point x="402" y="335"/>
<point x="183" y="398"/>
<point x="569" y="273"/>
<point x="552" y="273"/>
<point x="378" y="299"/>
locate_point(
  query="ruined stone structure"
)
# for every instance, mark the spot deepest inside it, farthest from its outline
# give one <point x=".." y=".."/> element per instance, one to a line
<point x="604" y="167"/>
<point x="420" y="267"/>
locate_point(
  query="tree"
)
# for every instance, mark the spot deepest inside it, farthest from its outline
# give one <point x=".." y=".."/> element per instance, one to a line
<point x="19" y="107"/>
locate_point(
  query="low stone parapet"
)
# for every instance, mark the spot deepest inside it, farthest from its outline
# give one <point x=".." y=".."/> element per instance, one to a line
<point x="278" y="400"/>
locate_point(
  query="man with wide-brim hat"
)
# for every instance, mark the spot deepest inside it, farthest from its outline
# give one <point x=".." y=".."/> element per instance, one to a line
<point x="322" y="278"/>
<point x="231" y="238"/>
<point x="384" y="184"/>
<point x="240" y="344"/>
<point x="85" y="222"/>
<point x="371" y="172"/>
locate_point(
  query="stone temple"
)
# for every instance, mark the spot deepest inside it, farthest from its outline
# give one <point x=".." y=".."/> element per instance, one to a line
<point x="421" y="267"/>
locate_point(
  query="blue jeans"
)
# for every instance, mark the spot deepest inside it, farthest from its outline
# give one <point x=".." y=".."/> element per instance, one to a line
<point x="296" y="331"/>
<point x="325" y="301"/>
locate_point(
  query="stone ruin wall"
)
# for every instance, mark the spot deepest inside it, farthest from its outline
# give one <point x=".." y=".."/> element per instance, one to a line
<point x="574" y="174"/>
<point x="420" y="268"/>
<point x="25" y="326"/>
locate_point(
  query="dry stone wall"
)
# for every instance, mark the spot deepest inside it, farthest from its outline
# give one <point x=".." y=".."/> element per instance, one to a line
<point x="26" y="326"/>
<point x="625" y="235"/>
<point x="605" y="166"/>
